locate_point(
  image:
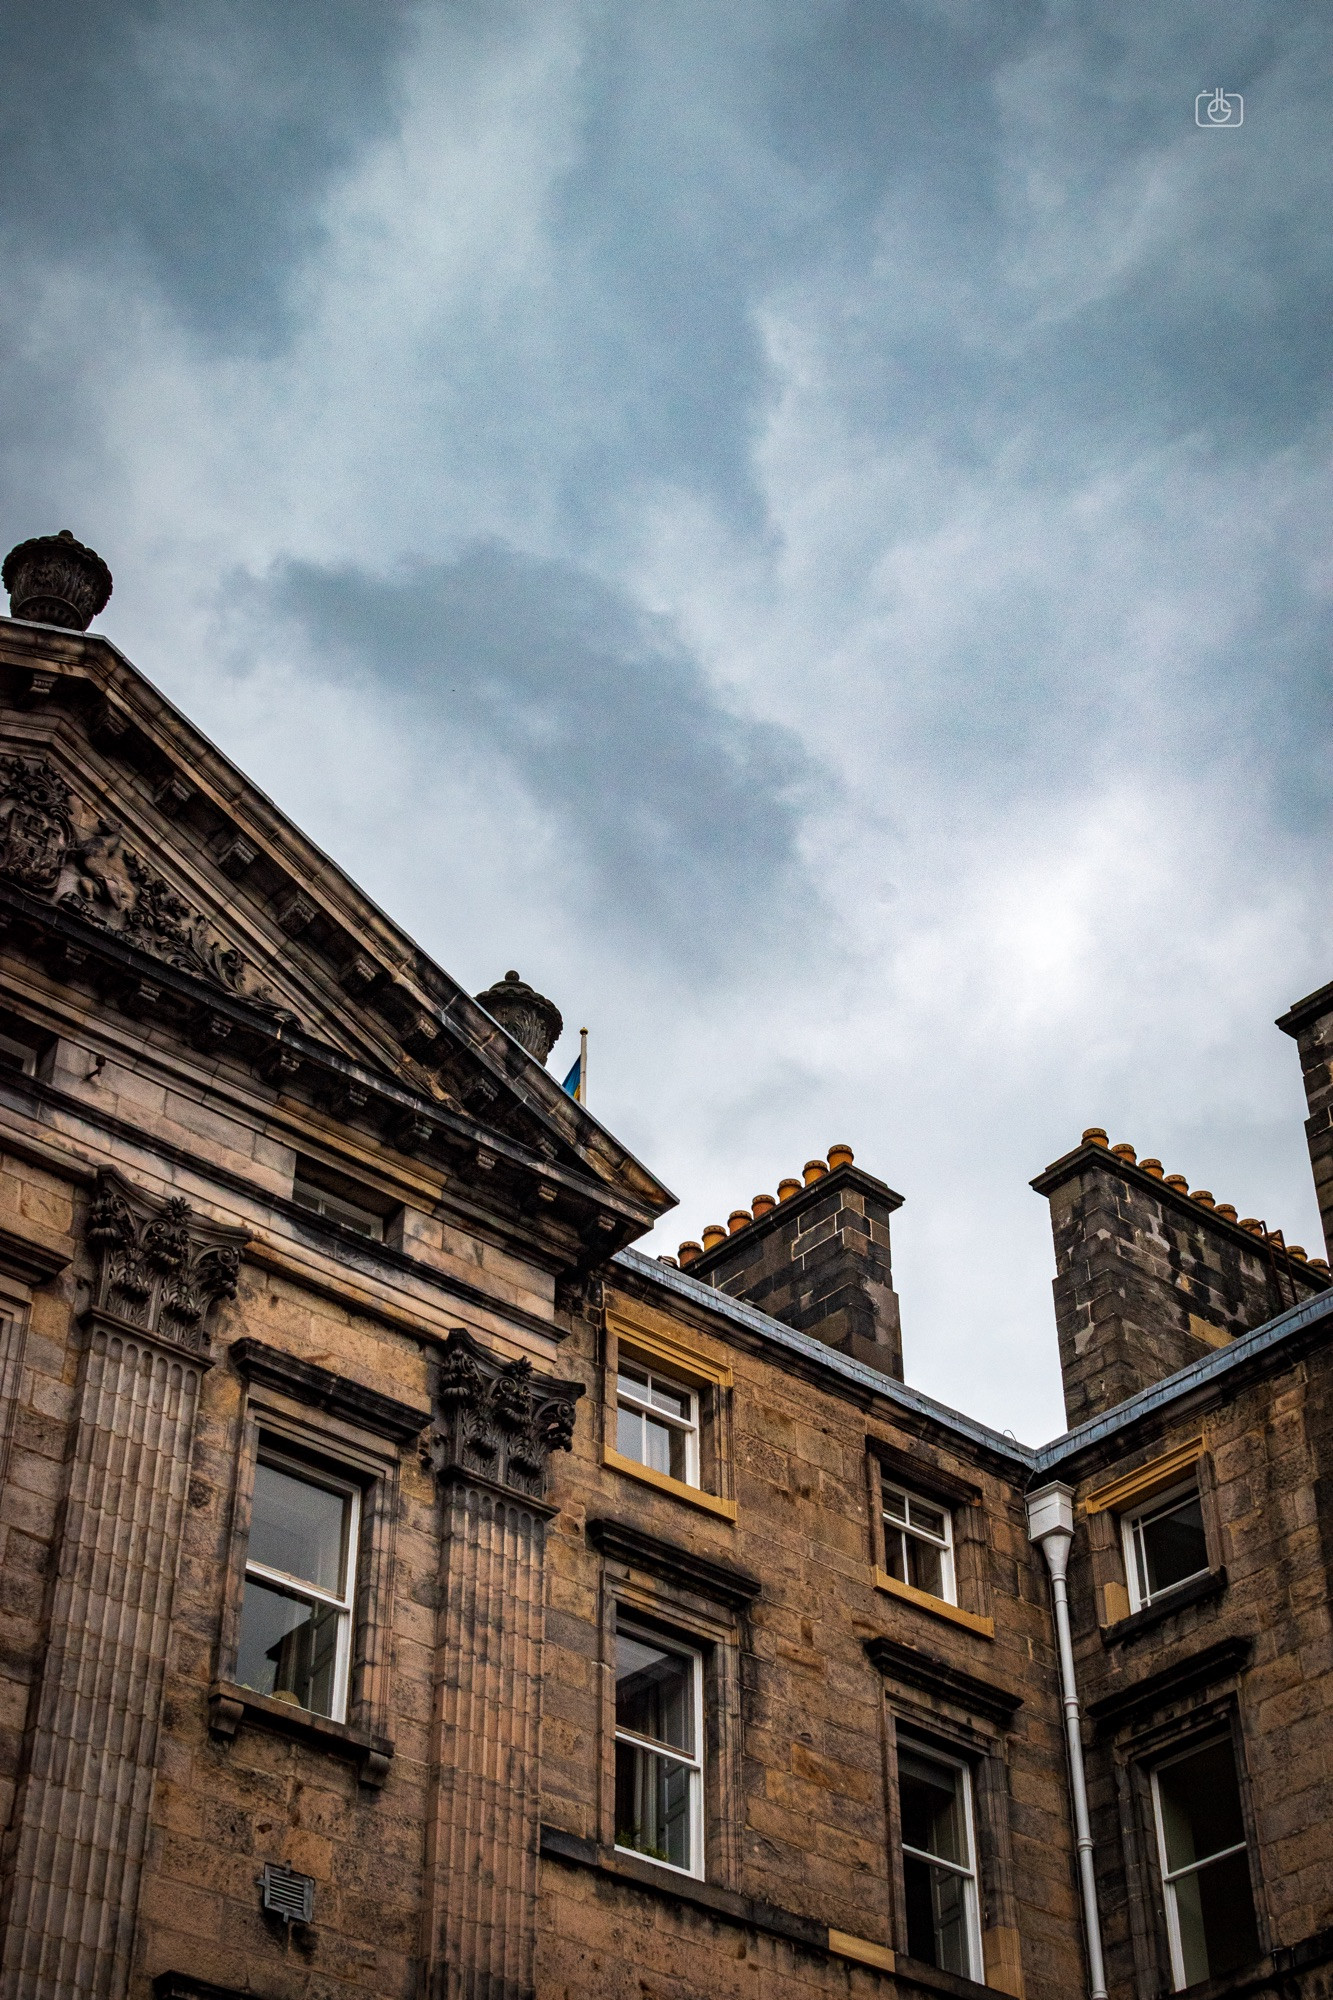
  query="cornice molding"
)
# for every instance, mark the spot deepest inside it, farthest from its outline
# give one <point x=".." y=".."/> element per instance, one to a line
<point x="1198" y="1670"/>
<point x="31" y="1262"/>
<point x="685" y="1568"/>
<point x="909" y="1666"/>
<point x="338" y="1395"/>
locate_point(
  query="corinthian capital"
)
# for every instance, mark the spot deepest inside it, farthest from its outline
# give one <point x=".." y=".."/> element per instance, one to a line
<point x="497" y="1420"/>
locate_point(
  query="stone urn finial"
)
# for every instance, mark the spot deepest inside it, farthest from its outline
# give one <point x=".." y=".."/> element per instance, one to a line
<point x="54" y="580"/>
<point x="527" y="1015"/>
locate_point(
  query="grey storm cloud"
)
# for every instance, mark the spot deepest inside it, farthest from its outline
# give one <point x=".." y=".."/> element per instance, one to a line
<point x="685" y="816"/>
<point x="192" y="140"/>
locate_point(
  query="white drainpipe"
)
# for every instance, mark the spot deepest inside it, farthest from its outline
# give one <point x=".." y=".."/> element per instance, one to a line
<point x="1051" y="1526"/>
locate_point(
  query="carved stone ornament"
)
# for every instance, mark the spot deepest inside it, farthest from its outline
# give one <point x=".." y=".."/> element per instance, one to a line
<point x="497" y="1420"/>
<point x="161" y="1268"/>
<point x="527" y="1015"/>
<point x="55" y="847"/>
<point x="54" y="580"/>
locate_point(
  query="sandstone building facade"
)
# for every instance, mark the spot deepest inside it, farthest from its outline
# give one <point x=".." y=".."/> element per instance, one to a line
<point x="410" y="1590"/>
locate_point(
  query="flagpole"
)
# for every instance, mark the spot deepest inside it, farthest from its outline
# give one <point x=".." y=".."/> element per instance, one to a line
<point x="583" y="1066"/>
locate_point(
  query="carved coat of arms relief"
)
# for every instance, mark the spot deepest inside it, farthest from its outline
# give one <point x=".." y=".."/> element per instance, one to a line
<point x="60" y="849"/>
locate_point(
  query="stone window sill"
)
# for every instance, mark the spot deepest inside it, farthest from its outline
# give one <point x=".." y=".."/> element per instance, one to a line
<point x="936" y="1606"/>
<point x="230" y="1705"/>
<point x="693" y="1496"/>
<point x="1199" y="1590"/>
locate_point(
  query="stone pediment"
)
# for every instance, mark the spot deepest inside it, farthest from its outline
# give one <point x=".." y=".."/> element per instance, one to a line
<point x="133" y="846"/>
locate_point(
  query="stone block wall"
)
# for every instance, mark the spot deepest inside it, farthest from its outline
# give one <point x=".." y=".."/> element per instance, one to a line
<point x="1310" y="1023"/>
<point x="820" y="1262"/>
<point x="1149" y="1279"/>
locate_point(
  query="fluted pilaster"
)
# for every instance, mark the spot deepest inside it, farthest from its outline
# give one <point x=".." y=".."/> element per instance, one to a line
<point x="81" y="1824"/>
<point x="495" y="1428"/>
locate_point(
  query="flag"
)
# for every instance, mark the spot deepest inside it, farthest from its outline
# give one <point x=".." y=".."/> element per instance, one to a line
<point x="575" y="1084"/>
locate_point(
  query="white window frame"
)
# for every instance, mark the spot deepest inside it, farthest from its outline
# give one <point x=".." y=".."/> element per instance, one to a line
<point x="632" y="1398"/>
<point x="335" y="1208"/>
<point x="1170" y="1876"/>
<point x="1131" y="1525"/>
<point x="930" y="1752"/>
<point x="299" y="1587"/>
<point x="695" y="1765"/>
<point x="948" y="1572"/>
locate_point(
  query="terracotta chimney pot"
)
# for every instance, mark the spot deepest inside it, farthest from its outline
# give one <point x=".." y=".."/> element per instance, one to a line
<point x="714" y="1234"/>
<point x="814" y="1170"/>
<point x="1153" y="1167"/>
<point x="1178" y="1182"/>
<point x="839" y="1156"/>
<point x="1124" y="1151"/>
<point x="688" y="1252"/>
<point x="762" y="1205"/>
<point x="1204" y="1198"/>
<point x="788" y="1188"/>
<point x="738" y="1219"/>
<point x="1094" y="1136"/>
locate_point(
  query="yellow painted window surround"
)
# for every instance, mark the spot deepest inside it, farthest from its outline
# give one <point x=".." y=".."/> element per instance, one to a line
<point x="936" y="1606"/>
<point x="1145" y="1480"/>
<point x="636" y="1341"/>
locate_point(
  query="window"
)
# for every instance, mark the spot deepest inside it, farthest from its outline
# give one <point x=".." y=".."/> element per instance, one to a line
<point x="1165" y="1544"/>
<point x="1205" y="1867"/>
<point x="296" y="1616"/>
<point x="659" y="1759"/>
<point x="939" y="1865"/>
<point x="918" y="1543"/>
<point x="17" y="1055"/>
<point x="335" y="1208"/>
<point x="657" y="1422"/>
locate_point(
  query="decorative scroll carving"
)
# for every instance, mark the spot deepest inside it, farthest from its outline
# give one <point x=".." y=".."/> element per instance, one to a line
<point x="55" y="847"/>
<point x="161" y="1269"/>
<point x="498" y="1420"/>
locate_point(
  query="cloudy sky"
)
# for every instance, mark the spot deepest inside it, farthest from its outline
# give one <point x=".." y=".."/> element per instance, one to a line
<point x="804" y="527"/>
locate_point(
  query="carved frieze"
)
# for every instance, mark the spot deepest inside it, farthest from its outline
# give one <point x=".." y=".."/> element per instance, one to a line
<point x="498" y="1420"/>
<point x="161" y="1268"/>
<point x="59" y="849"/>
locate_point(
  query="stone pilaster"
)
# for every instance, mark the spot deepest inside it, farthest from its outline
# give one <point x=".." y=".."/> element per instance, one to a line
<point x="81" y="1821"/>
<point x="495" y="1428"/>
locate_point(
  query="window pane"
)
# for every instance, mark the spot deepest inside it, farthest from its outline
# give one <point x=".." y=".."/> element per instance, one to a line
<point x="653" y="1805"/>
<point x="932" y="1807"/>
<point x="937" y="1916"/>
<point x="1215" y="1912"/>
<point x="895" y="1505"/>
<point x="633" y="1379"/>
<point x="895" y="1556"/>
<point x="677" y="1401"/>
<point x="926" y="1563"/>
<point x="929" y="1518"/>
<point x="1173" y="1545"/>
<point x="288" y="1647"/>
<point x="629" y="1434"/>
<point x="654" y="1692"/>
<point x="298" y="1528"/>
<point x="1200" y="1804"/>
<point x="666" y="1448"/>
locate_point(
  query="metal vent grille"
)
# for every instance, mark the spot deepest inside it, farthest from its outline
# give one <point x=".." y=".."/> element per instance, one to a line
<point x="287" y="1894"/>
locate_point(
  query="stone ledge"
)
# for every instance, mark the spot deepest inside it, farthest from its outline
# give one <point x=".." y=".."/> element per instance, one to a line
<point x="1199" y="1590"/>
<point x="230" y="1705"/>
<point x="34" y="1258"/>
<point x="1262" y="1977"/>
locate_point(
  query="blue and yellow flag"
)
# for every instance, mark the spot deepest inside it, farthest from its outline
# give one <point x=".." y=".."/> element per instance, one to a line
<point x="575" y="1084"/>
